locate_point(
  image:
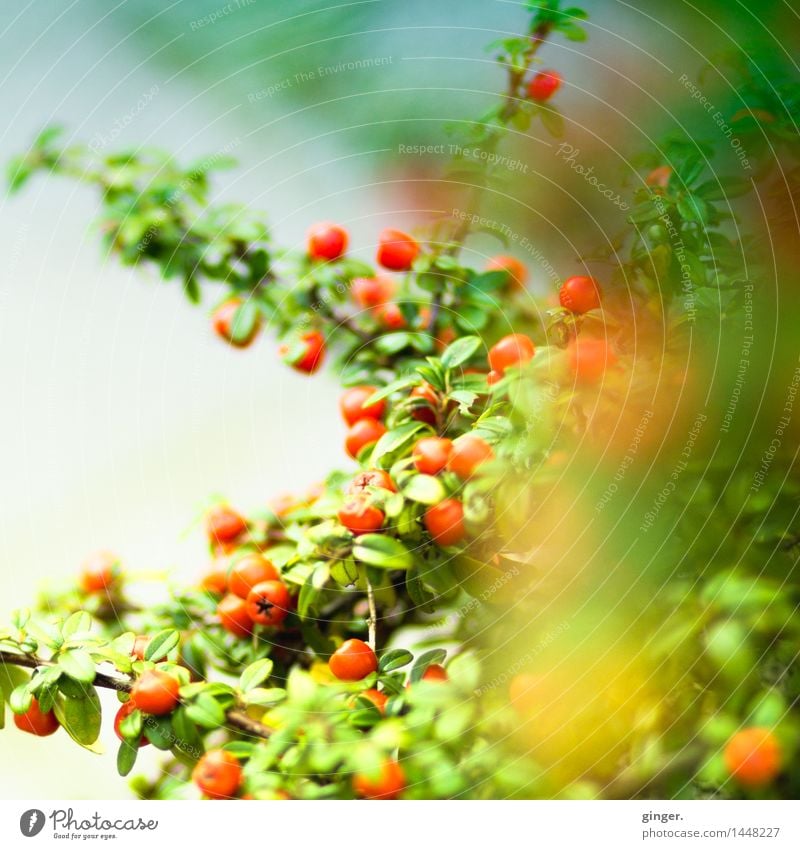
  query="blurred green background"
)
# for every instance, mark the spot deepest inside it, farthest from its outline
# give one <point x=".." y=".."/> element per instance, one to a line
<point x="122" y="413"/>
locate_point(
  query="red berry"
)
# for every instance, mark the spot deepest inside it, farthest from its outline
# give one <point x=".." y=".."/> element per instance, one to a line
<point x="445" y="522"/>
<point x="391" y="317"/>
<point x="310" y="354"/>
<point x="397" y="250"/>
<point x="431" y="453"/>
<point x="514" y="269"/>
<point x="140" y="646"/>
<point x="372" y="291"/>
<point x="155" y="692"/>
<point x="124" y="711"/>
<point x="513" y="350"/>
<point x="544" y="85"/>
<point x="361" y="517"/>
<point x="99" y="572"/>
<point x="352" y="406"/>
<point x="467" y="455"/>
<point x="659" y="177"/>
<point x="363" y="433"/>
<point x="444" y="337"/>
<point x="753" y="757"/>
<point x="435" y="672"/>
<point x="423" y="319"/>
<point x="377" y="698"/>
<point x="216" y="581"/>
<point x="327" y="241"/>
<point x="425" y="412"/>
<point x="589" y="358"/>
<point x="494" y="377"/>
<point x="35" y="722"/>
<point x="233" y="616"/>
<point x="224" y="525"/>
<point x="222" y="321"/>
<point x="389" y="784"/>
<point x="252" y="569"/>
<point x="218" y="774"/>
<point x="372" y="477"/>
<point x="353" y="660"/>
<point x="269" y="603"/>
<point x="580" y="294"/>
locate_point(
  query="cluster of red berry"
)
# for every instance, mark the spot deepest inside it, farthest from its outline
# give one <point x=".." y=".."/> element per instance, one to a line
<point x="327" y="242"/>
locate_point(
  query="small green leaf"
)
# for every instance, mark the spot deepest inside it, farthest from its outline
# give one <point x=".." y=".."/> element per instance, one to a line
<point x="264" y="696"/>
<point x="344" y="572"/>
<point x="382" y="551"/>
<point x="395" y="439"/>
<point x="460" y="351"/>
<point x="394" y="659"/>
<point x="78" y="664"/>
<point x="20" y="698"/>
<point x="425" y="660"/>
<point x="77" y="622"/>
<point x="390" y="389"/>
<point x="693" y="208"/>
<point x="312" y="589"/>
<point x="572" y="31"/>
<point x="81" y="717"/>
<point x="126" y="757"/>
<point x="206" y="711"/>
<point x="131" y="725"/>
<point x="158" y="730"/>
<point x="45" y="678"/>
<point x="392" y="343"/>
<point x="424" y="489"/>
<point x="244" y="321"/>
<point x="255" y="674"/>
<point x="161" y="645"/>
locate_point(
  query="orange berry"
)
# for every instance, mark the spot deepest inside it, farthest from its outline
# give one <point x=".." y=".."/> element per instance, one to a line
<point x="363" y="433"/>
<point x="753" y="757"/>
<point x="327" y="241"/>
<point x="468" y="454"/>
<point x="353" y="660"/>
<point x="352" y="406"/>
<point x="388" y="785"/>
<point x="514" y="269"/>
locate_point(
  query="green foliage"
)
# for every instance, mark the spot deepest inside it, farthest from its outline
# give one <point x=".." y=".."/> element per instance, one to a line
<point x="717" y="637"/>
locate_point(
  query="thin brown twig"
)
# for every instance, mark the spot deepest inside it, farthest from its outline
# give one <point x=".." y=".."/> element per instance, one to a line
<point x="235" y="718"/>
<point x="372" y="622"/>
